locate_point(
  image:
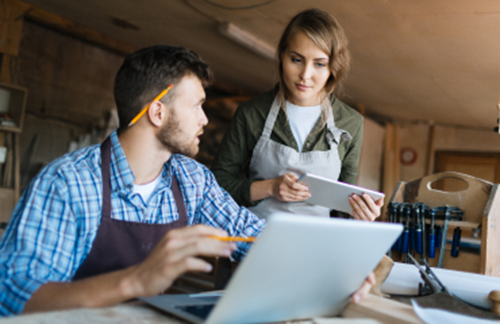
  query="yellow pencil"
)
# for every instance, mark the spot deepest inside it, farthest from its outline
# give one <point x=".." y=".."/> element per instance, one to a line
<point x="233" y="238"/>
<point x="158" y="97"/>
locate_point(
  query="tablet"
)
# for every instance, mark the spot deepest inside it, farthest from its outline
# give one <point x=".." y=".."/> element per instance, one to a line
<point x="333" y="194"/>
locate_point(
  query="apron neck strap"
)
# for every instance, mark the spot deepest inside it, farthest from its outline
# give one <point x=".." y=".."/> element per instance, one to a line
<point x="106" y="178"/>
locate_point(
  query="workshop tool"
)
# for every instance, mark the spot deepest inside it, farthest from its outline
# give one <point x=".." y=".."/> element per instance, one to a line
<point x="439" y="235"/>
<point x="423" y="211"/>
<point x="443" y="236"/>
<point x="433" y="294"/>
<point x="432" y="236"/>
<point x="447" y="213"/>
<point x="418" y="230"/>
<point x="406" y="234"/>
<point x="456" y="242"/>
<point x="411" y="215"/>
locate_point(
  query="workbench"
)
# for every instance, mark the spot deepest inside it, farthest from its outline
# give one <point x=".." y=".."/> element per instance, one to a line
<point x="370" y="310"/>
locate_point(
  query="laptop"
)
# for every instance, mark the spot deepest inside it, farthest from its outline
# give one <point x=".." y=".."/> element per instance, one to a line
<point x="300" y="267"/>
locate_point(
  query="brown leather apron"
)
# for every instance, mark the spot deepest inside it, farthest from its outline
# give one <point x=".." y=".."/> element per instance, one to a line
<point x="120" y="244"/>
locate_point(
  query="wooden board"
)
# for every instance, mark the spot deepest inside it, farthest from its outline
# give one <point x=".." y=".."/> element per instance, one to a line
<point x="11" y="25"/>
<point x="7" y="203"/>
<point x="471" y="201"/>
<point x="490" y="239"/>
<point x="383" y="310"/>
<point x="137" y="312"/>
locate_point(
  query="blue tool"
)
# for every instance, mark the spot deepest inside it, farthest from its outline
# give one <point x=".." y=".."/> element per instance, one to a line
<point x="432" y="236"/>
<point x="457" y="233"/>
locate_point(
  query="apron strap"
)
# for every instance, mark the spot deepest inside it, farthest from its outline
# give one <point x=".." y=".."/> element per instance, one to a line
<point x="106" y="178"/>
<point x="178" y="199"/>
<point x="271" y="118"/>
<point x="335" y="133"/>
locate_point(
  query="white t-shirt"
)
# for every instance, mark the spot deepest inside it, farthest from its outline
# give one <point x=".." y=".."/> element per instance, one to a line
<point x="302" y="121"/>
<point x="145" y="190"/>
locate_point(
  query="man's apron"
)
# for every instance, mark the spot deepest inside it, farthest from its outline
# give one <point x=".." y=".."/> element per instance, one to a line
<point x="271" y="160"/>
<point x="120" y="244"/>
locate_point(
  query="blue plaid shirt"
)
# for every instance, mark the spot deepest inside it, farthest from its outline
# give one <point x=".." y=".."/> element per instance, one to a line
<point x="55" y="222"/>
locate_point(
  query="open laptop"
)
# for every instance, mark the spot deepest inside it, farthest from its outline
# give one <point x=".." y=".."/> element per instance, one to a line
<point x="299" y="267"/>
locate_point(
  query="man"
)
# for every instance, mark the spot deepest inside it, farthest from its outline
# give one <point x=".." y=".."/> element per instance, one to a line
<point x="108" y="223"/>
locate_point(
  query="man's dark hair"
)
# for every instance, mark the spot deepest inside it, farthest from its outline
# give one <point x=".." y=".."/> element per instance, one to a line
<point x="147" y="72"/>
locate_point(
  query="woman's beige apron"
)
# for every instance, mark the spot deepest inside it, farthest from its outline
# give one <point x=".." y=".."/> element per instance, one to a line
<point x="271" y="160"/>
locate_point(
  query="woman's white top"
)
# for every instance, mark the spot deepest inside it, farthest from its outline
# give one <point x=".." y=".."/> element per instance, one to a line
<point x="302" y="121"/>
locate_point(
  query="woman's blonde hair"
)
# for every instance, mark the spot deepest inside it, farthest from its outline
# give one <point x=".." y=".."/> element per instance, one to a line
<point x="325" y="31"/>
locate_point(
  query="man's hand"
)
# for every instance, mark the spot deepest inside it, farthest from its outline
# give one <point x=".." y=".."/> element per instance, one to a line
<point x="174" y="255"/>
<point x="177" y="254"/>
<point x="286" y="188"/>
<point x="364" y="289"/>
<point x="364" y="208"/>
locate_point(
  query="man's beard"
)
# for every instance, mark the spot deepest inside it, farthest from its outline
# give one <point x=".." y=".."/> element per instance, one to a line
<point x="170" y="136"/>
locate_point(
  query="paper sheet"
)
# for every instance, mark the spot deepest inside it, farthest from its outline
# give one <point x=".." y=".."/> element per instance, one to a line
<point x="470" y="287"/>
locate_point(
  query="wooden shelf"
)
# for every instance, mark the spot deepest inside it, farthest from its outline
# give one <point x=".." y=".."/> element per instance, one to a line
<point x="16" y="106"/>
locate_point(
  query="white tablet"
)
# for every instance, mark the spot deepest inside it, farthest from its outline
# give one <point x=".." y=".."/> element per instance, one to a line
<point x="333" y="194"/>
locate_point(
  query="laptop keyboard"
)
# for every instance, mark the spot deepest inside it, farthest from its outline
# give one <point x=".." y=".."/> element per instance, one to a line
<point x="202" y="311"/>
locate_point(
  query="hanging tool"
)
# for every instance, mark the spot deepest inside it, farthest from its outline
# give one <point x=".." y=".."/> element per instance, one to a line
<point x="411" y="214"/>
<point x="401" y="212"/>
<point x="432" y="236"/>
<point x="423" y="210"/>
<point x="406" y="234"/>
<point x="418" y="229"/>
<point x="456" y="242"/>
<point x="443" y="235"/>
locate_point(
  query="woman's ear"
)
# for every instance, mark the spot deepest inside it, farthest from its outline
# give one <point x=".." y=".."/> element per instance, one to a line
<point x="157" y="113"/>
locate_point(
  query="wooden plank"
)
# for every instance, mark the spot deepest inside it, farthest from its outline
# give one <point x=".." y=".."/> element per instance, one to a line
<point x="381" y="309"/>
<point x="138" y="312"/>
<point x="11" y="26"/>
<point x="431" y="149"/>
<point x="68" y="27"/>
<point x="17" y="167"/>
<point x="5" y="75"/>
<point x="7" y="172"/>
<point x="490" y="243"/>
<point x="6" y="203"/>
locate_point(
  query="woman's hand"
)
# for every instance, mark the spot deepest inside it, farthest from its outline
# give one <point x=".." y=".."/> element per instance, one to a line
<point x="286" y="188"/>
<point x="364" y="208"/>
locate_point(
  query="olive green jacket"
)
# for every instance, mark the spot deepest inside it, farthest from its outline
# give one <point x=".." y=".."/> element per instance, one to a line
<point x="232" y="161"/>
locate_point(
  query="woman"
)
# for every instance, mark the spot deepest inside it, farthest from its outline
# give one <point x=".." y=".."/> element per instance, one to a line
<point x="297" y="127"/>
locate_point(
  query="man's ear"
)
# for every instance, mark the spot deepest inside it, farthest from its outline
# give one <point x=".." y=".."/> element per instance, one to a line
<point x="158" y="113"/>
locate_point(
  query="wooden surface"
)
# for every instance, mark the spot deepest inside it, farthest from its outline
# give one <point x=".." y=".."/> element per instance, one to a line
<point x="471" y="201"/>
<point x="137" y="312"/>
<point x="68" y="27"/>
<point x="382" y="309"/>
<point x="391" y="161"/>
<point x="11" y="26"/>
<point x="490" y="244"/>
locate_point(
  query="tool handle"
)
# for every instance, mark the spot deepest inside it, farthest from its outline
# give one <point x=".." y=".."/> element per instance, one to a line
<point x="397" y="245"/>
<point x="494" y="296"/>
<point x="418" y="240"/>
<point x="439" y="235"/>
<point x="457" y="233"/>
<point x="412" y="238"/>
<point x="432" y="243"/>
<point x="406" y="238"/>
